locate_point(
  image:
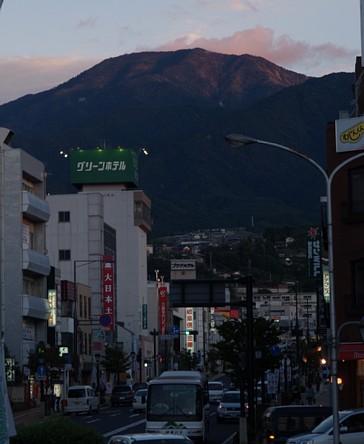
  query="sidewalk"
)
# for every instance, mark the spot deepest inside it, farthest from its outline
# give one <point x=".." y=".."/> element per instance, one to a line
<point x="28" y="416"/>
<point x="324" y="396"/>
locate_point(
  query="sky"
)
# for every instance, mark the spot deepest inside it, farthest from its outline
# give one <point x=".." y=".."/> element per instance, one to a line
<point x="44" y="43"/>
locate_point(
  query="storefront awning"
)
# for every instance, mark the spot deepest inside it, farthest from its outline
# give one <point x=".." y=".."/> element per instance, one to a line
<point x="350" y="352"/>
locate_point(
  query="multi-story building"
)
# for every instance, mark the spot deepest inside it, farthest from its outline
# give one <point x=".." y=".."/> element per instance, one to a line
<point x="344" y="140"/>
<point x="108" y="218"/>
<point x="24" y="261"/>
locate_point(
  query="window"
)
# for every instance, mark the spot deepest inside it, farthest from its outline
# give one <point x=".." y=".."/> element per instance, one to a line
<point x="358" y="283"/>
<point x="64" y="255"/>
<point x="64" y="216"/>
<point x="357" y="190"/>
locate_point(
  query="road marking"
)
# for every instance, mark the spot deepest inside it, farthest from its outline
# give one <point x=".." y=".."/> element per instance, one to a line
<point x="121" y="429"/>
<point x="94" y="420"/>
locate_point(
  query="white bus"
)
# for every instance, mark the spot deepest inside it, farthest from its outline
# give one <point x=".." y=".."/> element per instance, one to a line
<point x="178" y="403"/>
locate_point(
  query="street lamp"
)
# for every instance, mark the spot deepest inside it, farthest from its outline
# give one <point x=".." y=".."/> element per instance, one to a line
<point x="239" y="141"/>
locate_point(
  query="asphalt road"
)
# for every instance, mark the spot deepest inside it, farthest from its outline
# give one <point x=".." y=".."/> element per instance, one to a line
<point x="117" y="420"/>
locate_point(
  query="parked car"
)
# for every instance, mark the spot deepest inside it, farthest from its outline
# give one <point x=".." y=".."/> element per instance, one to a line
<point x="229" y="406"/>
<point x="149" y="438"/>
<point x="122" y="394"/>
<point x="80" y="399"/>
<point x="278" y="423"/>
<point x="140" y="400"/>
<point x="351" y="427"/>
<point x="216" y="390"/>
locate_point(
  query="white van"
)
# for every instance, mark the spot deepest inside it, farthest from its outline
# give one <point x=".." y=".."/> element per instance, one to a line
<point x="81" y="399"/>
<point x="216" y="390"/>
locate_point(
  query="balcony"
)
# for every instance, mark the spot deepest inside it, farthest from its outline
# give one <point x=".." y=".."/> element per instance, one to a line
<point x="34" y="208"/>
<point x="35" y="307"/>
<point x="35" y="262"/>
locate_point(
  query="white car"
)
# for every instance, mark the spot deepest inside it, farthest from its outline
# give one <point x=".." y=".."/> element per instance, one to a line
<point x="80" y="399"/>
<point x="140" y="400"/>
<point x="351" y="426"/>
<point x="216" y="390"/>
<point x="149" y="438"/>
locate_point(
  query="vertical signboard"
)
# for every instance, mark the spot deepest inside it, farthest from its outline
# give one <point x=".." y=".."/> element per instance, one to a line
<point x="163" y="309"/>
<point x="189" y="327"/>
<point x="108" y="291"/>
<point x="314" y="268"/>
<point x="144" y="316"/>
<point x="52" y="300"/>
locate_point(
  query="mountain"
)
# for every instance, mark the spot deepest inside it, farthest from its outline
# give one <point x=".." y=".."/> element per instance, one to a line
<point x="180" y="105"/>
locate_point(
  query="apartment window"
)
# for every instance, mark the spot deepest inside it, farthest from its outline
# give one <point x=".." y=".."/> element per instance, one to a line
<point x="64" y="255"/>
<point x="64" y="216"/>
<point x="357" y="190"/>
<point x="358" y="281"/>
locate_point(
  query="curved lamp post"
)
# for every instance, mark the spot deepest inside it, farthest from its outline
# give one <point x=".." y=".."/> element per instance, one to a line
<point x="239" y="141"/>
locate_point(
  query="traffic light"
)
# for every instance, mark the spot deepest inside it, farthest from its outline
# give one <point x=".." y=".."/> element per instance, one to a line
<point x="191" y="332"/>
<point x="41" y="348"/>
<point x="41" y="352"/>
<point x="161" y="359"/>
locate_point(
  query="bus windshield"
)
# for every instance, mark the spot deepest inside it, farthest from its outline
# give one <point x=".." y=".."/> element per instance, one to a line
<point x="172" y="401"/>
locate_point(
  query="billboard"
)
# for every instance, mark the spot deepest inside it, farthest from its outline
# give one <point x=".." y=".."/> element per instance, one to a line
<point x="104" y="166"/>
<point x="349" y="134"/>
<point x="314" y="268"/>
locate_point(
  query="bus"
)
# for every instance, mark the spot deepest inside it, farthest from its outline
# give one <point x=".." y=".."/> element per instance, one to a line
<point x="178" y="403"/>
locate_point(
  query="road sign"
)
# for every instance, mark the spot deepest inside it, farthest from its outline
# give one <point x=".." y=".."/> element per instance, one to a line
<point x="41" y="373"/>
<point x="105" y="320"/>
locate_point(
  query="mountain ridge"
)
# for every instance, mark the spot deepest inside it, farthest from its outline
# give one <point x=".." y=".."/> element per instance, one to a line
<point x="180" y="105"/>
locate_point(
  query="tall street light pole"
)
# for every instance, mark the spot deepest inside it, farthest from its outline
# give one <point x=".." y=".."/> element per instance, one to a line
<point x="239" y="141"/>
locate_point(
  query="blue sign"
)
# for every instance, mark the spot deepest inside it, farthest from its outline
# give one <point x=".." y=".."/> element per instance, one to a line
<point x="175" y="329"/>
<point x="105" y="320"/>
<point x="41" y="373"/>
<point x="275" y="350"/>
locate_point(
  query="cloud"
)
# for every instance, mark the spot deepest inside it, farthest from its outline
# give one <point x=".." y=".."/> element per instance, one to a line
<point x="29" y="75"/>
<point x="282" y="50"/>
<point x="87" y="23"/>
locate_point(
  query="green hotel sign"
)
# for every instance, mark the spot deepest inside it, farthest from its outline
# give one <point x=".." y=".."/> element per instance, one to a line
<point x="102" y="166"/>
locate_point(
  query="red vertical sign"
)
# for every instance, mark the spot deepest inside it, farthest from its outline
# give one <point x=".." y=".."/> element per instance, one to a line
<point x="108" y="291"/>
<point x="163" y="310"/>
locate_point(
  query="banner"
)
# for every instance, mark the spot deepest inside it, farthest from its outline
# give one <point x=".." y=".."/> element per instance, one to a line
<point x="163" y="310"/>
<point x="108" y="292"/>
<point x="314" y="268"/>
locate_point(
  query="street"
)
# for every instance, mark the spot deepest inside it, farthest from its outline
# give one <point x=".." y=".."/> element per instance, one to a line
<point x="118" y="420"/>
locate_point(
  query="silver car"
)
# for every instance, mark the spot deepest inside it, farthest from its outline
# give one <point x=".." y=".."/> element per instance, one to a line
<point x="229" y="406"/>
<point x="149" y="438"/>
<point x="351" y="426"/>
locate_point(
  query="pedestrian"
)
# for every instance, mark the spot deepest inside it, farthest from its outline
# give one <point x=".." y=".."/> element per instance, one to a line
<point x="318" y="382"/>
<point x="310" y="395"/>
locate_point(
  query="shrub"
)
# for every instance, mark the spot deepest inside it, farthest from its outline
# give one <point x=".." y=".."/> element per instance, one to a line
<point x="55" y="431"/>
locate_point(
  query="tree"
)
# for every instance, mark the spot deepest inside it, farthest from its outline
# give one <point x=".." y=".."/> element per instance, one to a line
<point x="187" y="360"/>
<point x="115" y="361"/>
<point x="232" y="347"/>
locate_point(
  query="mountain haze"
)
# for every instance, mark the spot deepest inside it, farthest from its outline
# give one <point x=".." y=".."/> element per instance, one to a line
<point x="180" y="105"/>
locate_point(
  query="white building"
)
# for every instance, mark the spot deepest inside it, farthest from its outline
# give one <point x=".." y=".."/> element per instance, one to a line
<point x="106" y="218"/>
<point x="24" y="262"/>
